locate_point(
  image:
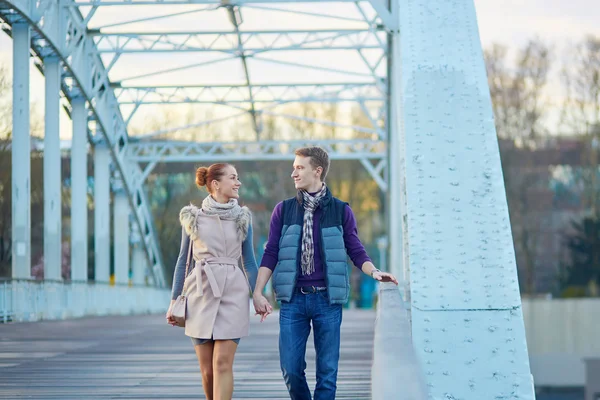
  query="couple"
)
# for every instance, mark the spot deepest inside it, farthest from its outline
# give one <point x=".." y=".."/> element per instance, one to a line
<point x="310" y="237"/>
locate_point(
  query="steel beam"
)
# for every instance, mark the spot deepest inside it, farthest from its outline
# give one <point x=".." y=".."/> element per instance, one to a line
<point x="261" y="93"/>
<point x="183" y="35"/>
<point x="84" y="76"/>
<point x="254" y="42"/>
<point x="172" y="151"/>
<point x="377" y="172"/>
<point x="381" y="7"/>
<point x="397" y="227"/>
<point x="79" y="203"/>
<point x="235" y="19"/>
<point x="61" y="30"/>
<point x="138" y="263"/>
<point x="389" y="18"/>
<point x="102" y="3"/>
<point x="102" y="212"/>
<point x="121" y="237"/>
<point x="52" y="172"/>
<point x="21" y="161"/>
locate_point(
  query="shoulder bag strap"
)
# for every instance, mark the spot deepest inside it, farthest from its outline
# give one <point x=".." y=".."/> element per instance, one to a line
<point x="189" y="258"/>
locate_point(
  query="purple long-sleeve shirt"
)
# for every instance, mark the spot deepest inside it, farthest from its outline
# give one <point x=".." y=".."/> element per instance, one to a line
<point x="355" y="249"/>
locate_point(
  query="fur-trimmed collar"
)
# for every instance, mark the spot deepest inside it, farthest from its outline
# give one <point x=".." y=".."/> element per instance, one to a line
<point x="188" y="216"/>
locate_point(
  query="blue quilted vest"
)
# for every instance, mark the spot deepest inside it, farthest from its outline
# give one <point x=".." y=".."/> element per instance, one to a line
<point x="332" y="246"/>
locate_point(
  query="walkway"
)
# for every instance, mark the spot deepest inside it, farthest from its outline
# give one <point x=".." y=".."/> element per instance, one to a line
<point x="143" y="358"/>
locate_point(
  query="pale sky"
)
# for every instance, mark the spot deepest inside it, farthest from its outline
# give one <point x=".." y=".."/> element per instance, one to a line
<point x="514" y="21"/>
<point x="510" y="22"/>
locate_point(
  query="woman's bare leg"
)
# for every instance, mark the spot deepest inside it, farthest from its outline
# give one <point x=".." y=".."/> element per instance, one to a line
<point x="204" y="352"/>
<point x="223" y="355"/>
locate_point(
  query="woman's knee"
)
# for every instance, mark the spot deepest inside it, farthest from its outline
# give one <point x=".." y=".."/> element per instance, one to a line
<point x="207" y="374"/>
<point x="222" y="363"/>
<point x="205" y="358"/>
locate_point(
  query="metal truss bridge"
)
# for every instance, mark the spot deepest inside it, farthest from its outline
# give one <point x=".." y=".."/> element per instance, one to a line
<point x="408" y="80"/>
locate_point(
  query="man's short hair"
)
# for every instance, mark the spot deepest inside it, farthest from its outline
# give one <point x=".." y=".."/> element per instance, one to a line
<point x="318" y="158"/>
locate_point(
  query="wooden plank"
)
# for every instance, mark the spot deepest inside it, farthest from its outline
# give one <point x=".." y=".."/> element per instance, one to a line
<point x="140" y="357"/>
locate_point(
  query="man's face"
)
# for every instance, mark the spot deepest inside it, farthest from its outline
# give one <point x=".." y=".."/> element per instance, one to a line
<point x="304" y="175"/>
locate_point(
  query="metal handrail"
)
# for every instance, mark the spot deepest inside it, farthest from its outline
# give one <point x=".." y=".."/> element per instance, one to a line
<point x="34" y="300"/>
<point x="69" y="281"/>
<point x="396" y="371"/>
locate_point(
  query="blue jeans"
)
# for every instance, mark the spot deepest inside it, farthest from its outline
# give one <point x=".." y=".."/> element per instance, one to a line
<point x="295" y="318"/>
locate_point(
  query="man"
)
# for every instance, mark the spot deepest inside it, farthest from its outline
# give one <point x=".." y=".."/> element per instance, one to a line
<point x="310" y="237"/>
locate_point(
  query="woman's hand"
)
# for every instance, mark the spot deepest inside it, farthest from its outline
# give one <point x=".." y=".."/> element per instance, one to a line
<point x="170" y="319"/>
<point x="262" y="306"/>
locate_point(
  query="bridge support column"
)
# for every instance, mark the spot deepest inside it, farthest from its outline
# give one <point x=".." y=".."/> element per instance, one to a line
<point x="138" y="261"/>
<point x="121" y="237"/>
<point x="397" y="170"/>
<point x="79" y="206"/>
<point x="102" y="212"/>
<point x="465" y="298"/>
<point x="52" y="173"/>
<point x="21" y="161"/>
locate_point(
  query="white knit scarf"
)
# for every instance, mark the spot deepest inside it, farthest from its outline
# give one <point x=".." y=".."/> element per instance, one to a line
<point x="228" y="211"/>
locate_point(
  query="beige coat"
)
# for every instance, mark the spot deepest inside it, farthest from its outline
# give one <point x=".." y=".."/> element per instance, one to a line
<point x="217" y="290"/>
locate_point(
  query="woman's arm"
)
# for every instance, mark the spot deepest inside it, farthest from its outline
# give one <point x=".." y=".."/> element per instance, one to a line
<point x="249" y="258"/>
<point x="179" y="273"/>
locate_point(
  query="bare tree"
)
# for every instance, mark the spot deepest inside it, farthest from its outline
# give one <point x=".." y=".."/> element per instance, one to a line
<point x="581" y="114"/>
<point x="302" y="128"/>
<point x="5" y="106"/>
<point x="500" y="84"/>
<point x="330" y="112"/>
<point x="519" y="107"/>
<point x="518" y="93"/>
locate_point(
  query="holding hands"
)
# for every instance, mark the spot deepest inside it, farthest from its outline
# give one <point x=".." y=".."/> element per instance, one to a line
<point x="262" y="306"/>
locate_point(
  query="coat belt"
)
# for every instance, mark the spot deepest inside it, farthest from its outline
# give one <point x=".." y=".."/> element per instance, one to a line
<point x="206" y="264"/>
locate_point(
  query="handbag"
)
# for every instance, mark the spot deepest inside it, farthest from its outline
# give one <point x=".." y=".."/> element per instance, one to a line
<point x="178" y="311"/>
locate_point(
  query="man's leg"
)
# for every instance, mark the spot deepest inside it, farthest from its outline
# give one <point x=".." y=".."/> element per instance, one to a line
<point x="294" y="328"/>
<point x="327" y="320"/>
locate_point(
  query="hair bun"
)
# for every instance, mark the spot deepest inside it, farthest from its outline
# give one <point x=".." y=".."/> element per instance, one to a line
<point x="201" y="174"/>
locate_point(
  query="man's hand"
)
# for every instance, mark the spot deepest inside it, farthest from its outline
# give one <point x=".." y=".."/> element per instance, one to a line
<point x="369" y="269"/>
<point x="262" y="306"/>
<point x="384" y="277"/>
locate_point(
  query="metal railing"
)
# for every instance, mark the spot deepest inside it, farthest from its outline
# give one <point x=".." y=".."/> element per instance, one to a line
<point x="34" y="300"/>
<point x="396" y="372"/>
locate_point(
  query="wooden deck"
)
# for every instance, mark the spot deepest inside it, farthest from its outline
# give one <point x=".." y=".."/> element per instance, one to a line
<point x="143" y="358"/>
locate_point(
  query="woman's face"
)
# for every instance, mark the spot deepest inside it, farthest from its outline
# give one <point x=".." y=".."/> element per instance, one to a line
<point x="229" y="184"/>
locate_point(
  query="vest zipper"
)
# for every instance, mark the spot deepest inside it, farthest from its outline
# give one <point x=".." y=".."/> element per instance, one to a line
<point x="323" y="255"/>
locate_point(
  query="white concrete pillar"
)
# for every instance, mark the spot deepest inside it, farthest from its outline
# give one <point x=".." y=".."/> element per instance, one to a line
<point x="79" y="206"/>
<point x="52" y="173"/>
<point x="464" y="289"/>
<point x="102" y="212"/>
<point x="21" y="160"/>
<point x="138" y="261"/>
<point x="121" y="237"/>
<point x="397" y="171"/>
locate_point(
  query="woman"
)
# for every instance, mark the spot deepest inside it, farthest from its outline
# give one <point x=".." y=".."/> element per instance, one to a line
<point x="221" y="233"/>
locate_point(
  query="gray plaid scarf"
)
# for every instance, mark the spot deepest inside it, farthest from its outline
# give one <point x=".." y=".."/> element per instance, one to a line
<point x="308" y="250"/>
